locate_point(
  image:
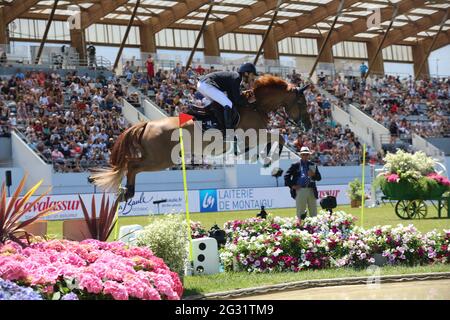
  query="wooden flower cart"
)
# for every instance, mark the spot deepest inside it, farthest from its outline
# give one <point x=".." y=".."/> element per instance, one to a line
<point x="412" y="203"/>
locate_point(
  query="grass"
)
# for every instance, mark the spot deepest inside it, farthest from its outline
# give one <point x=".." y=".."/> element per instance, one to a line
<point x="383" y="215"/>
<point x="197" y="285"/>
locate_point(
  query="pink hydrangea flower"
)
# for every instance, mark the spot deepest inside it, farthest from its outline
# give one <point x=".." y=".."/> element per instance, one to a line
<point x="95" y="267"/>
<point x="439" y="179"/>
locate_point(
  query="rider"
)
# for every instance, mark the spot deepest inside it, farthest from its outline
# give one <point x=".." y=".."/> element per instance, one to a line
<point x="225" y="87"/>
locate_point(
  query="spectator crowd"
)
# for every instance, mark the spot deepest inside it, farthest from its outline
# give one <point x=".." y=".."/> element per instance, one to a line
<point x="404" y="106"/>
<point x="72" y="122"/>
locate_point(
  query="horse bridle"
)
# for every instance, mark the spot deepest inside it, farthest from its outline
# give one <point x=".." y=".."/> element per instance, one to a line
<point x="299" y="124"/>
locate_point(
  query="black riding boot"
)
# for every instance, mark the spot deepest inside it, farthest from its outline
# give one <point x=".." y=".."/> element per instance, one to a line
<point x="228" y="118"/>
<point x="228" y="122"/>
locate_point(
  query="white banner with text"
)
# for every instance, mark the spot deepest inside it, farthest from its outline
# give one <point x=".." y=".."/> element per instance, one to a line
<point x="165" y="202"/>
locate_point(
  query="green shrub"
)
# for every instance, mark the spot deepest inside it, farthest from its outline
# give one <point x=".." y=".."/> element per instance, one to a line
<point x="167" y="237"/>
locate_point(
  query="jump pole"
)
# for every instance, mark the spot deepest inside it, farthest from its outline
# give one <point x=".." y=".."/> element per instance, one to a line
<point x="363" y="185"/>
<point x="183" y="118"/>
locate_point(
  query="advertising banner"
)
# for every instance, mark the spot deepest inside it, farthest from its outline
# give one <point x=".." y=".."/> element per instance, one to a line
<point x="217" y="200"/>
<point x="211" y="200"/>
<point x="141" y="205"/>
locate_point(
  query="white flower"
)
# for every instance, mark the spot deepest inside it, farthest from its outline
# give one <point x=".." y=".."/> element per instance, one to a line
<point x="277" y="252"/>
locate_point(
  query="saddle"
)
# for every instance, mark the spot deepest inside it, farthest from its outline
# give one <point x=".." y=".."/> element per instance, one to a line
<point x="212" y="116"/>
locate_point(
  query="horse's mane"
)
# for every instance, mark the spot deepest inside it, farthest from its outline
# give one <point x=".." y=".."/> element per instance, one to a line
<point x="270" y="82"/>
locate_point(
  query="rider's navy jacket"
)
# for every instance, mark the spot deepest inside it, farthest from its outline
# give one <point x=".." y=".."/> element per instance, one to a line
<point x="229" y="82"/>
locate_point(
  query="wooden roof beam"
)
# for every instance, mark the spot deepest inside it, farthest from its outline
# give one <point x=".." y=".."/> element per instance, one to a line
<point x="99" y="10"/>
<point x="17" y="8"/>
<point x="358" y="26"/>
<point x="442" y="41"/>
<point x="174" y="13"/>
<point x="242" y="17"/>
<point x="411" y="30"/>
<point x="320" y="14"/>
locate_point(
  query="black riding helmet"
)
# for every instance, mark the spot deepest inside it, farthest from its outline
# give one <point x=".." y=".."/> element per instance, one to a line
<point x="248" y="67"/>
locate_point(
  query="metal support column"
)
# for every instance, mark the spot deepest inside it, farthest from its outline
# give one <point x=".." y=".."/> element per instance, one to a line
<point x="266" y="34"/>
<point x="47" y="29"/>
<point x="200" y="34"/>
<point x="338" y="14"/>
<point x="380" y="46"/>
<point x="127" y="32"/>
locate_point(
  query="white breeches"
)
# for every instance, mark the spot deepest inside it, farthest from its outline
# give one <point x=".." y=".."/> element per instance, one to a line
<point x="212" y="93"/>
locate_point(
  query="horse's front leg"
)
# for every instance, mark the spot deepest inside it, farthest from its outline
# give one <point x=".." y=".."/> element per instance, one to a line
<point x="281" y="145"/>
<point x="270" y="156"/>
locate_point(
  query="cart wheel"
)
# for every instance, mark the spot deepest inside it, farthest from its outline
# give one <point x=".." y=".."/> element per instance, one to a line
<point x="418" y="209"/>
<point x="402" y="209"/>
<point x="444" y="205"/>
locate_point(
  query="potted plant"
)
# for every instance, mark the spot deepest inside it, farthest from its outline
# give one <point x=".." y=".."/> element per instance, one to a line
<point x="355" y="193"/>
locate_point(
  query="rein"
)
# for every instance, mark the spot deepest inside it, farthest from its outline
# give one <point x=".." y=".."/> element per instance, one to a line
<point x="266" y="116"/>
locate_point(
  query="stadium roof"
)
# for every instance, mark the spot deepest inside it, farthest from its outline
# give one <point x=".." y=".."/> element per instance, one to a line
<point x="414" y="19"/>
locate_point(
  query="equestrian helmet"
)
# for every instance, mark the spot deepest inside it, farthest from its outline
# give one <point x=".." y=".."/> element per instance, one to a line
<point x="248" y="67"/>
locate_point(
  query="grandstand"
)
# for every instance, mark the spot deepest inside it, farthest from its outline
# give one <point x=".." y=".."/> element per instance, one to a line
<point x="74" y="75"/>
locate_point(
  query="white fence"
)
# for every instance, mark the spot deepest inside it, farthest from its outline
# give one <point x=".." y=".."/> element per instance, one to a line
<point x="25" y="158"/>
<point x="132" y="114"/>
<point x="152" y="111"/>
<point x="431" y="150"/>
<point x="364" y="127"/>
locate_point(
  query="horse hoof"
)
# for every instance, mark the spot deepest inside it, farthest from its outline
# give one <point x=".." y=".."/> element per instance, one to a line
<point x="91" y="179"/>
<point x="128" y="196"/>
<point x="126" y="193"/>
<point x="267" y="163"/>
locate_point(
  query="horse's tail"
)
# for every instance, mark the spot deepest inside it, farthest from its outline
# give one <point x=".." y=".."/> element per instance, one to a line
<point x="126" y="147"/>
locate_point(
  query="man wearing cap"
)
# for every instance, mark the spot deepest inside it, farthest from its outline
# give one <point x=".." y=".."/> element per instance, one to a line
<point x="301" y="179"/>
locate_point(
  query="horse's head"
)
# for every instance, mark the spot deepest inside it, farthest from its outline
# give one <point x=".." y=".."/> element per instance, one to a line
<point x="297" y="108"/>
<point x="272" y="93"/>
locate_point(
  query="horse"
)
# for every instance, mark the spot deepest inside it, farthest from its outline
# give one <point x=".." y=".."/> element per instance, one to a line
<point x="148" y="146"/>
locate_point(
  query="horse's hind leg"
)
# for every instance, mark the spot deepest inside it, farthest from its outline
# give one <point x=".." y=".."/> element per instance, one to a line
<point x="134" y="166"/>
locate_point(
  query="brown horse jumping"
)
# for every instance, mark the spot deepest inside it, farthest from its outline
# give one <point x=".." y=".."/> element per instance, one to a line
<point x="148" y="146"/>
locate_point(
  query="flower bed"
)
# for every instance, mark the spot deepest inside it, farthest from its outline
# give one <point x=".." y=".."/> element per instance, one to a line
<point x="256" y="226"/>
<point x="89" y="270"/>
<point x="327" y="241"/>
<point x="197" y="230"/>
